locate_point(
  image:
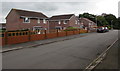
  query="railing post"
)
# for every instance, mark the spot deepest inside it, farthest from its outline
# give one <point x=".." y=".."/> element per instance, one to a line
<point x="73" y="32"/>
<point x="45" y="34"/>
<point x="87" y="31"/>
<point x="57" y="32"/>
<point x="29" y="35"/>
<point x="66" y="33"/>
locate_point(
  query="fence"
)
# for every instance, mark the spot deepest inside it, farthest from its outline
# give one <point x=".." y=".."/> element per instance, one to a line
<point x="8" y="38"/>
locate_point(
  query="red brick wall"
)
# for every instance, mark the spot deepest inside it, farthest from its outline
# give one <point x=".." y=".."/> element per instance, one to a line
<point x="12" y="21"/>
<point x="72" y="21"/>
<point x="17" y="39"/>
<point x="85" y="22"/>
<point x="53" y="24"/>
<point x="32" y="37"/>
<point x="61" y="34"/>
<point x="70" y="33"/>
<point x="76" y="32"/>
<point x="51" y="35"/>
<point x="37" y="37"/>
<point x="33" y="22"/>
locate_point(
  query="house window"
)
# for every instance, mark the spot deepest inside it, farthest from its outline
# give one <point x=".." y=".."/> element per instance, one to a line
<point x="90" y="23"/>
<point x="58" y="22"/>
<point x="26" y="20"/>
<point x="65" y="22"/>
<point x="45" y="28"/>
<point x="75" y="21"/>
<point x="44" y="21"/>
<point x="38" y="20"/>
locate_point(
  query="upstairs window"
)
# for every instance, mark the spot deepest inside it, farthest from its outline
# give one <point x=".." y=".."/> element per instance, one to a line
<point x="59" y="22"/>
<point x="65" y="22"/>
<point x="75" y="21"/>
<point x="26" y="20"/>
<point x="38" y="21"/>
<point x="44" y="21"/>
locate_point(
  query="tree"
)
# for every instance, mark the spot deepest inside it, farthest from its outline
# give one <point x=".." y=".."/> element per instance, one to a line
<point x="109" y="20"/>
<point x="89" y="16"/>
<point x="112" y="20"/>
<point x="101" y="21"/>
<point x="117" y="24"/>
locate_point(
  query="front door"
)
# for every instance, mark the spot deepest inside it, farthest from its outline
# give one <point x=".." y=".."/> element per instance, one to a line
<point x="38" y="29"/>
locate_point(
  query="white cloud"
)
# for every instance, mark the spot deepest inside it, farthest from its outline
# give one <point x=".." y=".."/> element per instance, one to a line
<point x="119" y="9"/>
<point x="50" y="0"/>
<point x="108" y="6"/>
<point x="53" y="7"/>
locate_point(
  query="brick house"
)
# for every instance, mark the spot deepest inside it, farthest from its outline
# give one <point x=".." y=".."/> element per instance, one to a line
<point x="63" y="21"/>
<point x="88" y="24"/>
<point x="22" y="19"/>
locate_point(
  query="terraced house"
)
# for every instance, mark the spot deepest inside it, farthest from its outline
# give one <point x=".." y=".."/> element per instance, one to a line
<point x="22" y="19"/>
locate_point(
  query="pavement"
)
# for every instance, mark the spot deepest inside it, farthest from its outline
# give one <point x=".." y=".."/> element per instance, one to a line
<point x="111" y="59"/>
<point x="40" y="42"/>
<point x="75" y="53"/>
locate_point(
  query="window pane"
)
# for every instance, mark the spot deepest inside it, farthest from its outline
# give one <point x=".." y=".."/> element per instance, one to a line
<point x="26" y="20"/>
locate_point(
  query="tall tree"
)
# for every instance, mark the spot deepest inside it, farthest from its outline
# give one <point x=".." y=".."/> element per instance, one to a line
<point x="89" y="16"/>
<point x="102" y="21"/>
<point x="112" y="20"/>
<point x="117" y="24"/>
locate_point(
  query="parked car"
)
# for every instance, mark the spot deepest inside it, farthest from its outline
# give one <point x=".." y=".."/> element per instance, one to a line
<point x="106" y="29"/>
<point x="102" y="29"/>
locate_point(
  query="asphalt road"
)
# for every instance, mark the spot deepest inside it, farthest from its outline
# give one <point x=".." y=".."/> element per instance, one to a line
<point x="70" y="54"/>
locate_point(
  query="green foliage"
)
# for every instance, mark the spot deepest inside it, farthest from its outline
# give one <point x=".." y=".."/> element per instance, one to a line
<point x="102" y="21"/>
<point x="116" y="24"/>
<point x="89" y="16"/>
<point x="113" y="21"/>
<point x="70" y="28"/>
<point x="109" y="20"/>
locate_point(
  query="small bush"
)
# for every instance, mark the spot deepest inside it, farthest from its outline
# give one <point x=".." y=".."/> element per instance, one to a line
<point x="71" y="29"/>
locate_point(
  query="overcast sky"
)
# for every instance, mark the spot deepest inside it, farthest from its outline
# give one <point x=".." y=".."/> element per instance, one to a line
<point x="55" y="7"/>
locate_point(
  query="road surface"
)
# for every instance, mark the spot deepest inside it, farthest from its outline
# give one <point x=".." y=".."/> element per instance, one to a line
<point x="70" y="54"/>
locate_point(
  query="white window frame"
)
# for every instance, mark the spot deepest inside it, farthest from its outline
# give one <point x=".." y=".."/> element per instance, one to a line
<point x="44" y="21"/>
<point x="38" y="21"/>
<point x="75" y="21"/>
<point x="45" y="28"/>
<point x="25" y="21"/>
<point x="59" y="22"/>
<point x="65" y="22"/>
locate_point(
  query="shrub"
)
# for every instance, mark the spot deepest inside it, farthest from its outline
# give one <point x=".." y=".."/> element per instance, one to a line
<point x="71" y="29"/>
